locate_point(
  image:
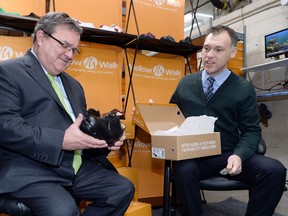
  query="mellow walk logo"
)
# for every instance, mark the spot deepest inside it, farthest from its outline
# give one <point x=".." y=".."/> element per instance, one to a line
<point x="159" y="2"/>
<point x="7" y="52"/>
<point x="157" y="72"/>
<point x="92" y="63"/>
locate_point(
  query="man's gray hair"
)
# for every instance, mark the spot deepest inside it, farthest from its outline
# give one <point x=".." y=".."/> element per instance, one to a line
<point x="49" y="21"/>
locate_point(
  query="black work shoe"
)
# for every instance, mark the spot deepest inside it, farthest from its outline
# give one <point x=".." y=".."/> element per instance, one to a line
<point x="167" y="38"/>
<point x="187" y="41"/>
<point x="107" y="127"/>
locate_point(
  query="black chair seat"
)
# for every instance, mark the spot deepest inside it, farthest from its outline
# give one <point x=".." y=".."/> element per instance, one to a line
<point x="222" y="184"/>
<point x="13" y="207"/>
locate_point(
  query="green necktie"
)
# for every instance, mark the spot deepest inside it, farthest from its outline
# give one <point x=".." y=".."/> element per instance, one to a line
<point x="77" y="161"/>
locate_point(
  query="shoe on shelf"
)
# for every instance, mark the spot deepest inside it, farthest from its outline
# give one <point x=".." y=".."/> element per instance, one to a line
<point x="167" y="38"/>
<point x="113" y="28"/>
<point x="148" y="35"/>
<point x="116" y="28"/>
<point x="187" y="41"/>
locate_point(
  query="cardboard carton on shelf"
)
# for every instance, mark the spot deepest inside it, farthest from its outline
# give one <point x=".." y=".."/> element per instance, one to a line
<point x="139" y="208"/>
<point x="153" y="117"/>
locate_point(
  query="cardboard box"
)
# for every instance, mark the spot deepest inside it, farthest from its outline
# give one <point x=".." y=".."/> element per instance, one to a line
<point x="153" y="117"/>
<point x="132" y="174"/>
<point x="129" y="130"/>
<point x="135" y="209"/>
<point x="139" y="209"/>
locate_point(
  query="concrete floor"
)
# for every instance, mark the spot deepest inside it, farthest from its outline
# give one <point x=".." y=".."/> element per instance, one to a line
<point x="282" y="208"/>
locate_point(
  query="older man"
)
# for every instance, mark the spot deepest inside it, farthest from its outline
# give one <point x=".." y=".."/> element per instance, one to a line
<point x="41" y="145"/>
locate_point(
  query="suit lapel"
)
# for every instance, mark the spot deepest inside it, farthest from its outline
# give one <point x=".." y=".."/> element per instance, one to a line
<point x="38" y="74"/>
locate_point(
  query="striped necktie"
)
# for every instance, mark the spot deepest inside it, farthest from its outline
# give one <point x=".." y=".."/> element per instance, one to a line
<point x="209" y="91"/>
<point x="77" y="160"/>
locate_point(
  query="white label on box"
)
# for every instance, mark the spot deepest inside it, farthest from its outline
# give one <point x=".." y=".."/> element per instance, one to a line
<point x="198" y="146"/>
<point x="158" y="153"/>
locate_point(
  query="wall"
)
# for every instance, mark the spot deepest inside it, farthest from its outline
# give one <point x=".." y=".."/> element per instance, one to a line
<point x="89" y="11"/>
<point x="17" y="6"/>
<point x="261" y="18"/>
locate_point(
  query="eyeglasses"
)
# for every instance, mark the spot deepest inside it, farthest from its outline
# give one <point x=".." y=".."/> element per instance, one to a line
<point x="65" y="46"/>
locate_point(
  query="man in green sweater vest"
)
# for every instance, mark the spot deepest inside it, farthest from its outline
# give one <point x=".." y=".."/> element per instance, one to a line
<point x="216" y="91"/>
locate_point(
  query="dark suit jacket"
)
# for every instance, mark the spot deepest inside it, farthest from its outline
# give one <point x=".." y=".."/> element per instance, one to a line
<point x="32" y="125"/>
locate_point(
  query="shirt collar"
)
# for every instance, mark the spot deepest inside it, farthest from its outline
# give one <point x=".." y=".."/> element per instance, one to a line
<point x="220" y="78"/>
<point x="32" y="51"/>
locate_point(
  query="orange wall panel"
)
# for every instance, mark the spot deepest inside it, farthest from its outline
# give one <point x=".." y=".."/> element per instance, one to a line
<point x="97" y="12"/>
<point x="24" y="7"/>
<point x="161" y="18"/>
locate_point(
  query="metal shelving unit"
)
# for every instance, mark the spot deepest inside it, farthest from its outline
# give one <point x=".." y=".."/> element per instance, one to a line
<point x="266" y="69"/>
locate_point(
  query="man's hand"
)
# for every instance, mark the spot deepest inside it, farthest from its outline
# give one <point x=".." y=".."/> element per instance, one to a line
<point x="234" y="165"/>
<point x="117" y="145"/>
<point x="75" y="139"/>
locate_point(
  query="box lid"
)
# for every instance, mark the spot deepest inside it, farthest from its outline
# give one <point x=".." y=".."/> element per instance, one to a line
<point x="153" y="117"/>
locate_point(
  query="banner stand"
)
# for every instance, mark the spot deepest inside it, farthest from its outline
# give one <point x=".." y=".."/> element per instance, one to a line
<point x="130" y="71"/>
<point x="135" y="18"/>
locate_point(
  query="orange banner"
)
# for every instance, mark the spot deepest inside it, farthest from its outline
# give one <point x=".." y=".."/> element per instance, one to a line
<point x="160" y="17"/>
<point x="153" y="77"/>
<point x="100" y="12"/>
<point x="99" y="69"/>
<point x="13" y="47"/>
<point x="24" y="7"/>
